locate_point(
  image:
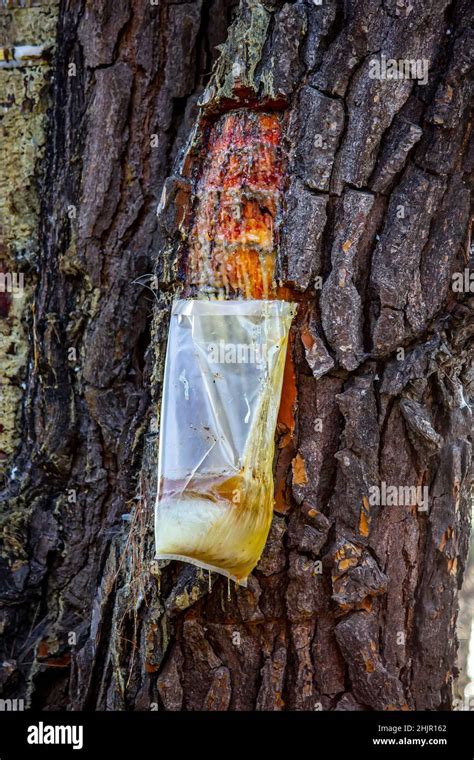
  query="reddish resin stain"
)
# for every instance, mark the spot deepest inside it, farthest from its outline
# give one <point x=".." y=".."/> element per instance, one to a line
<point x="233" y="239"/>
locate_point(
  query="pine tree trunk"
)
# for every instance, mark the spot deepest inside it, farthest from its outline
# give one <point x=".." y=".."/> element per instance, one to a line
<point x="371" y="222"/>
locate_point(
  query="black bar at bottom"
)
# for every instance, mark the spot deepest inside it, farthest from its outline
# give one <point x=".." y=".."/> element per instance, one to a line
<point x="135" y="735"/>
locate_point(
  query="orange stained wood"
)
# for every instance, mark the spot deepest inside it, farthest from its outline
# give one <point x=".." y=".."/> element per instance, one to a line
<point x="233" y="239"/>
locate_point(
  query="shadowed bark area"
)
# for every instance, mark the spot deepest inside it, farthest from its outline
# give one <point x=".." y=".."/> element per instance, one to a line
<point x="353" y="605"/>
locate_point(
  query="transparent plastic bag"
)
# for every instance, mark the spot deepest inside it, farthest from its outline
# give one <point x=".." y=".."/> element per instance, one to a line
<point x="222" y="386"/>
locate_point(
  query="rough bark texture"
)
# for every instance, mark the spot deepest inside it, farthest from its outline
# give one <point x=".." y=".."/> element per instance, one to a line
<point x="353" y="605"/>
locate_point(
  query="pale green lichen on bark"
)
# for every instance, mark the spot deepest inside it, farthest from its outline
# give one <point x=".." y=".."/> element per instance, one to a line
<point x="27" y="38"/>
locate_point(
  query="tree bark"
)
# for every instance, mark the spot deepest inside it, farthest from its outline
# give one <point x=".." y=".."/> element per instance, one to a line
<point x="370" y="223"/>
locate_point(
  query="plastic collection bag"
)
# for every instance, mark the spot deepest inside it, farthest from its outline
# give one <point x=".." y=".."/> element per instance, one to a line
<point x="222" y="386"/>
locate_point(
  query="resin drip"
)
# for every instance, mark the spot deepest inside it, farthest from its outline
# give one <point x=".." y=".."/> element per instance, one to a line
<point x="233" y="240"/>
